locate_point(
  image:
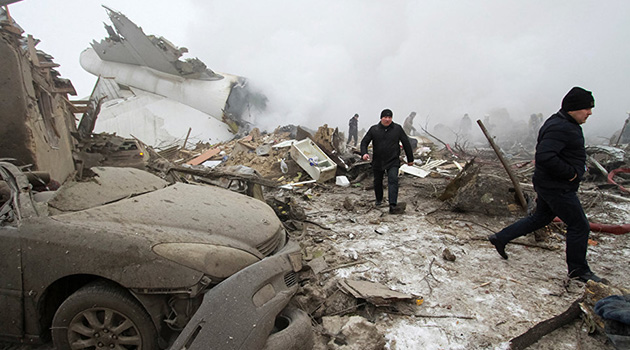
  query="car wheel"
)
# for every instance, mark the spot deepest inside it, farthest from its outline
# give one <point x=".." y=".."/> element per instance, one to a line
<point x="292" y="331"/>
<point x="99" y="316"/>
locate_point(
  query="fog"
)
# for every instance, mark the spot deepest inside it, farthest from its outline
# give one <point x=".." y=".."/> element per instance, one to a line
<point x="322" y="61"/>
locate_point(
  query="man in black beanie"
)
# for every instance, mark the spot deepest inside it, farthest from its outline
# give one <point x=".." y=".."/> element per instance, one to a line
<point x="385" y="137"/>
<point x="560" y="163"/>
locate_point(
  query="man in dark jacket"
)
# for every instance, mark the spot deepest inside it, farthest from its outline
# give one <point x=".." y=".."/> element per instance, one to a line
<point x="560" y="163"/>
<point x="353" y="129"/>
<point x="385" y="137"/>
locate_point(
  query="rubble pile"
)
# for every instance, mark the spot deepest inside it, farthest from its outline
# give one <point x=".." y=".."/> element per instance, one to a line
<point x="433" y="254"/>
<point x="378" y="281"/>
<point x="345" y="237"/>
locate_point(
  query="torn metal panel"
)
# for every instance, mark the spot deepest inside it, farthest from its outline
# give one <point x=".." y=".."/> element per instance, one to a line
<point x="156" y="120"/>
<point x="175" y="94"/>
<point x="239" y="312"/>
<point x="128" y="44"/>
<point x="375" y="293"/>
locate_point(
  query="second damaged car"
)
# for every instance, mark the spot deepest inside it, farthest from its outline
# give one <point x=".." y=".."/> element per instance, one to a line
<point x="124" y="261"/>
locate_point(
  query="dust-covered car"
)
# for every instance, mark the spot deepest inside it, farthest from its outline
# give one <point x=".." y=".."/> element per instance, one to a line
<point x="123" y="261"/>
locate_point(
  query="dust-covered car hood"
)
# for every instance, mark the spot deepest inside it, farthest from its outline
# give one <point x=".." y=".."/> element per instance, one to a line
<point x="184" y="213"/>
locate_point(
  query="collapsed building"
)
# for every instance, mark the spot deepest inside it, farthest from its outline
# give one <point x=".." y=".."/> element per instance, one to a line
<point x="37" y="117"/>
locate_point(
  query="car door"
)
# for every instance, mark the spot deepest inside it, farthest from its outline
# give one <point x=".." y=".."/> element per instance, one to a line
<point x="11" y="296"/>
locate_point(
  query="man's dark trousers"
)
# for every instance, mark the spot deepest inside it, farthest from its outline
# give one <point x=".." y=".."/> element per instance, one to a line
<point x="353" y="135"/>
<point x="565" y="205"/>
<point x="392" y="184"/>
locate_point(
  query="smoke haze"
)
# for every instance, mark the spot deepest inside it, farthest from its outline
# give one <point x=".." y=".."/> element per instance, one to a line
<point x="321" y="62"/>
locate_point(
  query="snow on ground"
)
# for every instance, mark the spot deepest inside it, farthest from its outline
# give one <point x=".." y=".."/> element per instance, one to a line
<point x="478" y="301"/>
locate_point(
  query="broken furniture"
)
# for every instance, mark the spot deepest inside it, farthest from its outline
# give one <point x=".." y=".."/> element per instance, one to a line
<point x="313" y="160"/>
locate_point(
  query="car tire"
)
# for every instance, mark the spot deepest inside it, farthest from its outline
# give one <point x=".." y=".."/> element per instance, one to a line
<point x="100" y="315"/>
<point x="293" y="331"/>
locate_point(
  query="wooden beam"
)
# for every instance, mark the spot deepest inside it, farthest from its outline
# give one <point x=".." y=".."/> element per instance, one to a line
<point x="74" y="108"/>
<point x="517" y="187"/>
<point x="545" y="327"/>
<point x="31" y="50"/>
<point x="48" y="64"/>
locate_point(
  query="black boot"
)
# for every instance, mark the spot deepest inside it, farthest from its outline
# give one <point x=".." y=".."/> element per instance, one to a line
<point x="498" y="245"/>
<point x="585" y="277"/>
<point x="397" y="208"/>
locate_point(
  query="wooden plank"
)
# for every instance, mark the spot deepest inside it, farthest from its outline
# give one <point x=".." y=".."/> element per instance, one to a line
<point x="48" y="64"/>
<point x="204" y="156"/>
<point x="74" y="106"/>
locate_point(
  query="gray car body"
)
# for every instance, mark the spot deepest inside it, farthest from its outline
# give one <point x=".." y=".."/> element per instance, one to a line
<point x="138" y="243"/>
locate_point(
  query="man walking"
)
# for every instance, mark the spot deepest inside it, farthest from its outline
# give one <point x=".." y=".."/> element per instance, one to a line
<point x="408" y="124"/>
<point x="560" y="163"/>
<point x="353" y="130"/>
<point x="385" y="137"/>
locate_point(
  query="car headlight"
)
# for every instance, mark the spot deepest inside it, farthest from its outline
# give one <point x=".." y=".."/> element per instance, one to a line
<point x="216" y="261"/>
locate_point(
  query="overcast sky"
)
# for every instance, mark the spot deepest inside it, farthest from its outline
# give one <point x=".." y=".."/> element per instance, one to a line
<point x="322" y="61"/>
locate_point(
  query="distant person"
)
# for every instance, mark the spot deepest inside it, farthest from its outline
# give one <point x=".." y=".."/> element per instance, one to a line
<point x="408" y="125"/>
<point x="625" y="132"/>
<point x="534" y="123"/>
<point x="353" y="129"/>
<point x="465" y="124"/>
<point x="487" y="123"/>
<point x="385" y="137"/>
<point x="560" y="164"/>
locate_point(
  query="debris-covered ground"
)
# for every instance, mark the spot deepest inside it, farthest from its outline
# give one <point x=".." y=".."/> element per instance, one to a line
<point x="477" y="301"/>
<point x="457" y="292"/>
<point x="426" y="279"/>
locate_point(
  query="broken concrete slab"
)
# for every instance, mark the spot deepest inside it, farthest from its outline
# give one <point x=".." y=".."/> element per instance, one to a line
<point x="318" y="265"/>
<point x="352" y="333"/>
<point x="263" y="150"/>
<point x="374" y="293"/>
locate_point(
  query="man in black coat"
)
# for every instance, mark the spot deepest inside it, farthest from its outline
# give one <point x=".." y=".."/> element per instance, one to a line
<point x="560" y="164"/>
<point x="353" y="129"/>
<point x="385" y="137"/>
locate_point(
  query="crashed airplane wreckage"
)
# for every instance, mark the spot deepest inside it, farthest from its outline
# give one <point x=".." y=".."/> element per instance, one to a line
<point x="145" y="90"/>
